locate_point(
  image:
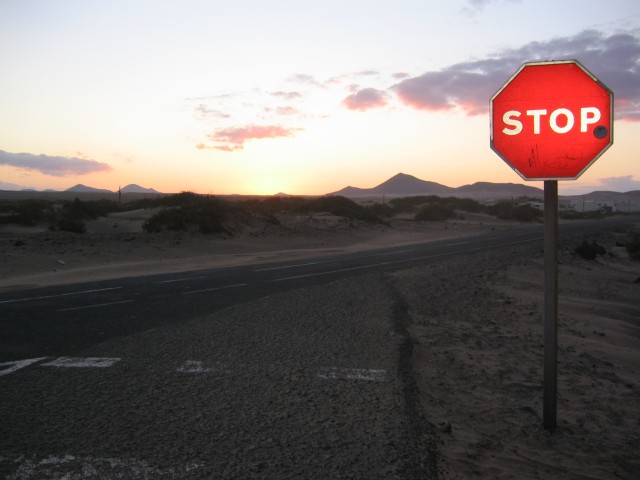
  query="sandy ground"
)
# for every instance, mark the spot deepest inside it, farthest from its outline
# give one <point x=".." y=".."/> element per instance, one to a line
<point x="115" y="246"/>
<point x="478" y="327"/>
<point x="477" y="323"/>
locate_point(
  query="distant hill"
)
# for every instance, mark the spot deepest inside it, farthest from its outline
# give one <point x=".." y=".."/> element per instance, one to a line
<point x="398" y="185"/>
<point x="403" y="185"/>
<point x="84" y="189"/>
<point x="133" y="188"/>
<point x="600" y="195"/>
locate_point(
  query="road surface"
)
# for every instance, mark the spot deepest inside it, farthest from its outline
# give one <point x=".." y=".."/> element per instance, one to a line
<point x="272" y="371"/>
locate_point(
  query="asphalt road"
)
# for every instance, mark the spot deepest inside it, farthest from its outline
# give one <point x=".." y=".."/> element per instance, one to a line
<point x="283" y="370"/>
<point x="63" y="320"/>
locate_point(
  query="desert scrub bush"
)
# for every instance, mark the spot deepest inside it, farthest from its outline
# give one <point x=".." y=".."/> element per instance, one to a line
<point x="90" y="210"/>
<point x="340" y="206"/>
<point x="67" y="224"/>
<point x="410" y="204"/>
<point x="273" y="204"/>
<point x="574" y="215"/>
<point x="71" y="217"/>
<point x="506" y="210"/>
<point x="633" y="245"/>
<point x="188" y="211"/>
<point x="527" y="213"/>
<point x="414" y="204"/>
<point x="380" y="210"/>
<point x="27" y="213"/>
<point x="434" y="212"/>
<point x="463" y="204"/>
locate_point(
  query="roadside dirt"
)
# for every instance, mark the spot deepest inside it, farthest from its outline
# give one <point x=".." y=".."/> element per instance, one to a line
<point x="477" y="323"/>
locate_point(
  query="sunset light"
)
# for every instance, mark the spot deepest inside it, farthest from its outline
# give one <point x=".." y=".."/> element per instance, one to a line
<point x="319" y="239"/>
<point x="305" y="98"/>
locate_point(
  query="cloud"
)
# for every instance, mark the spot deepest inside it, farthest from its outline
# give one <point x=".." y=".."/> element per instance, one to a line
<point x="474" y="7"/>
<point x="366" y="99"/>
<point x="11" y="186"/>
<point x="351" y="76"/>
<point x="287" y="95"/>
<point x="625" y="183"/>
<point x="468" y="86"/>
<point x="287" y="110"/>
<point x="51" y="165"/>
<point x="205" y="111"/>
<point x="306" y="80"/>
<point x="233" y="139"/>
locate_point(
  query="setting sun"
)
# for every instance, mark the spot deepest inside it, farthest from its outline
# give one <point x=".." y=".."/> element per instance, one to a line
<point x="285" y="103"/>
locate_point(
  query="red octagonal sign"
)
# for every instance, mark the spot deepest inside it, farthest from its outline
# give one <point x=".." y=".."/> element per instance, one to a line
<point x="551" y="120"/>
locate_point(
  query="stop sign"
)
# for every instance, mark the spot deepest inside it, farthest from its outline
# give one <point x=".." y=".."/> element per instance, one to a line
<point x="551" y="120"/>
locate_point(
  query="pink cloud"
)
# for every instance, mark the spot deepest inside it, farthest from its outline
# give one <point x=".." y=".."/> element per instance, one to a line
<point x="287" y="110"/>
<point x="233" y="138"/>
<point x="56" y="166"/>
<point x="468" y="86"/>
<point x="366" y="99"/>
<point x="287" y="95"/>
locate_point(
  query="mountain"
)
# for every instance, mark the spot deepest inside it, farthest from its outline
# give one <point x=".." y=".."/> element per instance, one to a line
<point x="133" y="188"/>
<point x="403" y="185"/>
<point x="398" y="185"/>
<point x="84" y="189"/>
<point x="606" y="196"/>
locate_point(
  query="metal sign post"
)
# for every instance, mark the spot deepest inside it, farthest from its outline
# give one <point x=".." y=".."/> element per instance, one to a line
<point x="550" y="304"/>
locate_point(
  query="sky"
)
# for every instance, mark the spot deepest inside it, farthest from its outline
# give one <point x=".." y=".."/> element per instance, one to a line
<point x="294" y="96"/>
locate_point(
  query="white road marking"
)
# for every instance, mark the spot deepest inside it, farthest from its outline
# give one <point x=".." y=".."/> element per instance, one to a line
<point x="406" y="260"/>
<point x="394" y="253"/>
<point x="317" y="274"/>
<point x="193" y="366"/>
<point x="215" y="288"/>
<point x="11" y="367"/>
<point x="199" y="367"/>
<point x="326" y="373"/>
<point x="294" y="265"/>
<point x="179" y="280"/>
<point x="60" y="295"/>
<point x="82" y="362"/>
<point x="72" y="467"/>
<point x="364" y="374"/>
<point x="96" y="305"/>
